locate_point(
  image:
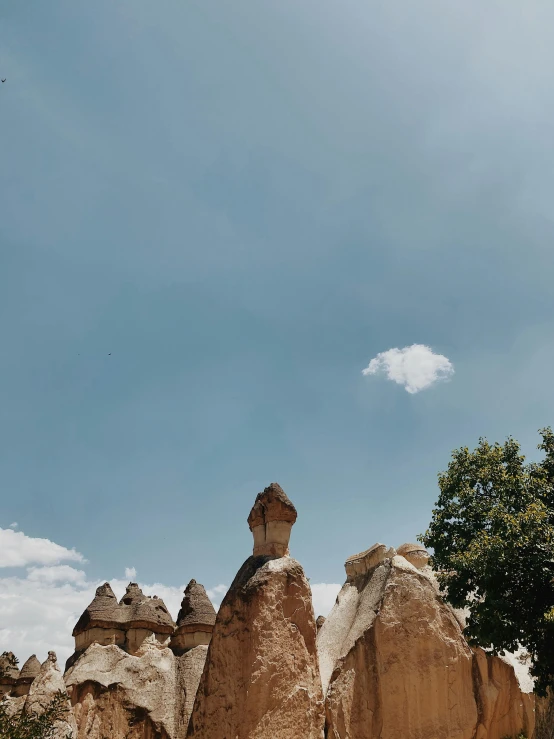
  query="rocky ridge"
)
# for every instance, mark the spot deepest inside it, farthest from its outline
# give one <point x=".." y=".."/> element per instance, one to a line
<point x="389" y="662"/>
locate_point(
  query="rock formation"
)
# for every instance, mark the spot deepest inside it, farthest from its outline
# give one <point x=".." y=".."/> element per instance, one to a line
<point x="271" y="520"/>
<point x="395" y="665"/>
<point x="29" y="671"/>
<point x="138" y="674"/>
<point x="126" y="624"/>
<point x="261" y="678"/>
<point x="43" y="689"/>
<point x="389" y="662"/>
<point x="196" y="619"/>
<point x="118" y="695"/>
<point x="8" y="673"/>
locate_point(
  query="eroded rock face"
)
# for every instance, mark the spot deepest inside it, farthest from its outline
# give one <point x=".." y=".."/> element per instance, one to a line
<point x="149" y="695"/>
<point x="261" y="679"/>
<point x="395" y="665"/>
<point x="43" y="689"/>
<point x="122" y="696"/>
<point x="190" y="666"/>
<point x="505" y="710"/>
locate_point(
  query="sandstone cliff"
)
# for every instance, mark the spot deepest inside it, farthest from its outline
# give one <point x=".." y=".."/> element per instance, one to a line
<point x="395" y="665"/>
<point x="261" y="678"/>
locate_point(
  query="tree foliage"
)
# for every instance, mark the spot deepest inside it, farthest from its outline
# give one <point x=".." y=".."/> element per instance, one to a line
<point x="492" y="533"/>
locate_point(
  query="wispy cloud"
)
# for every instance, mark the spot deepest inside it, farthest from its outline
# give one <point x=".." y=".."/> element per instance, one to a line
<point x="19" y="550"/>
<point x="416" y="367"/>
<point x="39" y="608"/>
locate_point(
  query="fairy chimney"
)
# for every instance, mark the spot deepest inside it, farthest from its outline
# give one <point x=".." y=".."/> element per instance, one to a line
<point x="144" y="616"/>
<point x="270" y="521"/>
<point x="29" y="671"/>
<point x="102" y="621"/>
<point x="416" y="555"/>
<point x="8" y="673"/>
<point x="195" y="621"/>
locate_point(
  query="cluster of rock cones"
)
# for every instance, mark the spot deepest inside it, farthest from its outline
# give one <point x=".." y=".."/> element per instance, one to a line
<point x="390" y="661"/>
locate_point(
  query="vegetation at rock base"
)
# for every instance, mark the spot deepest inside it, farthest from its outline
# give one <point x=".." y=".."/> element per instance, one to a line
<point x="23" y="725"/>
<point x="492" y="533"/>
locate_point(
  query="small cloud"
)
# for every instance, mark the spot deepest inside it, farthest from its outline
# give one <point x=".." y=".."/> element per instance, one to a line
<point x="417" y="367"/>
<point x="19" y="550"/>
<point x="130" y="572"/>
<point x="14" y="525"/>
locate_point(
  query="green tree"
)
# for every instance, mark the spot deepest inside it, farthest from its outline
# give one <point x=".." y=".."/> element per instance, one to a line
<point x="492" y="533"/>
<point x="23" y="725"/>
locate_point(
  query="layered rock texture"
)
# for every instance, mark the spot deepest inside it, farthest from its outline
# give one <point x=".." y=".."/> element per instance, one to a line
<point x="389" y="662"/>
<point x="395" y="665"/>
<point x="42" y="691"/>
<point x="144" y="685"/>
<point x="196" y="619"/>
<point x="261" y="679"/>
<point x="126" y="624"/>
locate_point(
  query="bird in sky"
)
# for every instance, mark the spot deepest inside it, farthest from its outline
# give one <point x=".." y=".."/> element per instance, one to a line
<point x="4" y="80"/>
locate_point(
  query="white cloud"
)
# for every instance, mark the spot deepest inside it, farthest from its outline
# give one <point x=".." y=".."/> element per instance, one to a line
<point x="56" y="573"/>
<point x="18" y="550"/>
<point x="324" y="595"/>
<point x="217" y="594"/>
<point x="14" y="525"/>
<point x="130" y="572"/>
<point x="39" y="608"/>
<point x="417" y="367"/>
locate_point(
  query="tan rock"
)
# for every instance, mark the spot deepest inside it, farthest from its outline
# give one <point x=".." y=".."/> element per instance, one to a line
<point x="395" y="665"/>
<point x="270" y="522"/>
<point x="126" y="624"/>
<point x="415" y="554"/>
<point x="359" y="564"/>
<point x="544" y="716"/>
<point x="196" y="619"/>
<point x="261" y="678"/>
<point x="190" y="666"/>
<point x="46" y="685"/>
<point x="122" y="696"/>
<point x="505" y="710"/>
<point x="320" y="620"/>
<point x="8" y="673"/>
<point x="29" y="671"/>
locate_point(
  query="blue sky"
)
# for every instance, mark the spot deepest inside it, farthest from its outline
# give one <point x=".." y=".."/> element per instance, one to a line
<point x="244" y="203"/>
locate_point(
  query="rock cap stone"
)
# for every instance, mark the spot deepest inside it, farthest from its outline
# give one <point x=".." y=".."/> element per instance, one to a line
<point x="272" y="505"/>
<point x="196" y="608"/>
<point x="30" y="670"/>
<point x="361" y="563"/>
<point x="102" y="612"/>
<point x="416" y="554"/>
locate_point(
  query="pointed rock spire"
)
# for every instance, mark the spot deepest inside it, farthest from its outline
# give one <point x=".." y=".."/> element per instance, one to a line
<point x="30" y="669"/>
<point x="102" y="612"/>
<point x="196" y="607"/>
<point x="270" y="521"/>
<point x="196" y="619"/>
